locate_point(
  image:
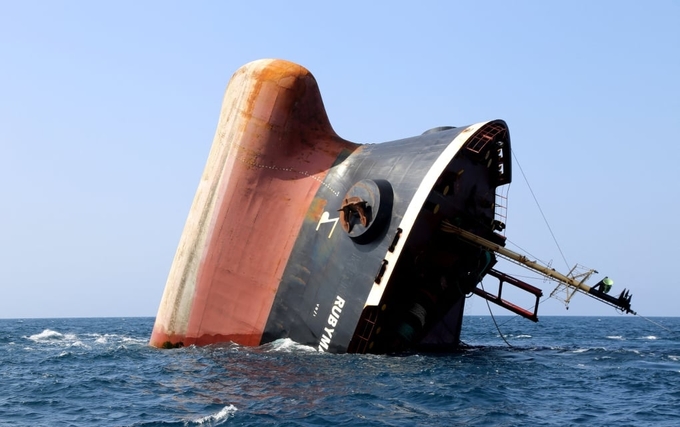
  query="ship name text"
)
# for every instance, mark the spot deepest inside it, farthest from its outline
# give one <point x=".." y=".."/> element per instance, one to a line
<point x="333" y="318"/>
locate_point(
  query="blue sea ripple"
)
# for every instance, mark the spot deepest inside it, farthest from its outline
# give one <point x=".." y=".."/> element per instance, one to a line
<point x="562" y="371"/>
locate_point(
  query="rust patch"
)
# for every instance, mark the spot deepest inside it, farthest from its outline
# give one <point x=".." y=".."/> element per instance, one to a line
<point x="316" y="209"/>
<point x="351" y="207"/>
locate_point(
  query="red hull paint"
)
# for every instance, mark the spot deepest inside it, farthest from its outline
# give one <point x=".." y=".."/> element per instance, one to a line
<point x="272" y="149"/>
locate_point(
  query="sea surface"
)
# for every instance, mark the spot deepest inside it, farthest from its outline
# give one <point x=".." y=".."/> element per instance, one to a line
<point x="563" y="371"/>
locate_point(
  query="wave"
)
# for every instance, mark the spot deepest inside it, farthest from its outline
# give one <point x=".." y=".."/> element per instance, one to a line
<point x="287" y="345"/>
<point x="218" y="417"/>
<point x="78" y="343"/>
<point x="86" y="341"/>
<point x="47" y="334"/>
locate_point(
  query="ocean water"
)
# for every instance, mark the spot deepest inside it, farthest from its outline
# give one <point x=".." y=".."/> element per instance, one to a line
<point x="562" y="371"/>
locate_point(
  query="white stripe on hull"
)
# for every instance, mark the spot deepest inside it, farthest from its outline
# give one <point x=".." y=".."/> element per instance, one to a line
<point x="416" y="205"/>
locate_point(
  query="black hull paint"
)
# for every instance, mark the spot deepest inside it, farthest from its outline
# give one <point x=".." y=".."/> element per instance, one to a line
<point x="323" y="297"/>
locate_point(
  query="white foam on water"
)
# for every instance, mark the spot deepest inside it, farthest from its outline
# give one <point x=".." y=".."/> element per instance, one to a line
<point x="140" y="341"/>
<point x="615" y="337"/>
<point x="288" y="345"/>
<point x="674" y="358"/>
<point x="223" y="414"/>
<point x="79" y="343"/>
<point x="523" y="336"/>
<point x="47" y="334"/>
<point x="650" y="337"/>
<point x="116" y="339"/>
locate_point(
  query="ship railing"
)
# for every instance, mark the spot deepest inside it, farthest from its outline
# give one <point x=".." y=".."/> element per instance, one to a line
<point x="501" y="207"/>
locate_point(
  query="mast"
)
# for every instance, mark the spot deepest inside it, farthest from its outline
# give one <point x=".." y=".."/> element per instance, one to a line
<point x="599" y="291"/>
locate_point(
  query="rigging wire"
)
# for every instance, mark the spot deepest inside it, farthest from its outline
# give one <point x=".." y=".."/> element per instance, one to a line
<point x="527" y="252"/>
<point x="494" y="318"/>
<point x="539" y="208"/>
<point x="657" y="324"/>
<point x="516" y="316"/>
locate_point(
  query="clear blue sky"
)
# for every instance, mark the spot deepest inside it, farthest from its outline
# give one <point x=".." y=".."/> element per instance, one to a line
<point x="108" y="110"/>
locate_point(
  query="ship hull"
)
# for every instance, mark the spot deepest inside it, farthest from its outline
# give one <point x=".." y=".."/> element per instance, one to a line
<point x="296" y="233"/>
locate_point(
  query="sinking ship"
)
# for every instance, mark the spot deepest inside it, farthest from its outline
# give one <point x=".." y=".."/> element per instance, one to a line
<point x="295" y="232"/>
